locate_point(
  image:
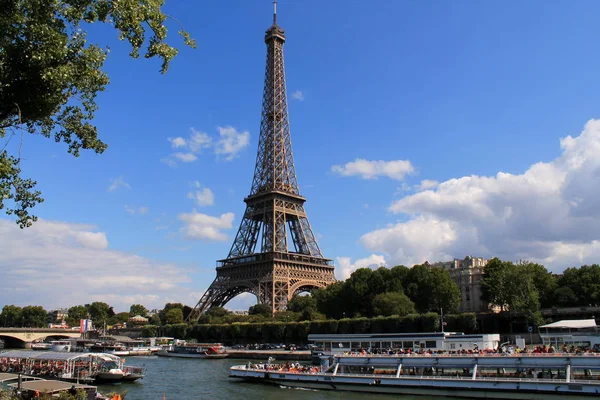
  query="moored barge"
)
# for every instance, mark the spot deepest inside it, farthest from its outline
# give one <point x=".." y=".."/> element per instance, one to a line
<point x="70" y="367"/>
<point x="547" y="376"/>
<point x="195" y="350"/>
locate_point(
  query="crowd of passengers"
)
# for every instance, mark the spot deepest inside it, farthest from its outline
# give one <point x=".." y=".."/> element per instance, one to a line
<point x="286" y="367"/>
<point x="474" y="351"/>
<point x="54" y="369"/>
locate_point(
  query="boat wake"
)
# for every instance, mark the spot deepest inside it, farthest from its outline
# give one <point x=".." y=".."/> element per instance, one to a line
<point x="298" y="388"/>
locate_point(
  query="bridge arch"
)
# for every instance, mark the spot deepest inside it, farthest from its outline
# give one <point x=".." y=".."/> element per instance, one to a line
<point x="23" y="337"/>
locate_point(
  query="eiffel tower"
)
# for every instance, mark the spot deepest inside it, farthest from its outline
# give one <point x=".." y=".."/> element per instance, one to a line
<point x="275" y="215"/>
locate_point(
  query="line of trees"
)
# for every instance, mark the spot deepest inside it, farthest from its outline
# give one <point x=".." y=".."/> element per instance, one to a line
<point x="525" y="287"/>
<point x="517" y="288"/>
<point x="99" y="312"/>
<point x="384" y="292"/>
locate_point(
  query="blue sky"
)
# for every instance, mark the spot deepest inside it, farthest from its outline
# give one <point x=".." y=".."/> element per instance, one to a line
<point x="435" y="98"/>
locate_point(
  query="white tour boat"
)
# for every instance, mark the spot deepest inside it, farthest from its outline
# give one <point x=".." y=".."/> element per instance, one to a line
<point x="195" y="350"/>
<point x="490" y="376"/>
<point x="60" y="345"/>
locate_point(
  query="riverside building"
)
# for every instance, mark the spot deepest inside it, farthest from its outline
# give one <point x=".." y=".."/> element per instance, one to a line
<point x="468" y="275"/>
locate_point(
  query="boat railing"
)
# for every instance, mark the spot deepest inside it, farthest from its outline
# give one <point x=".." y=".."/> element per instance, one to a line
<point x="468" y="355"/>
<point x="465" y="378"/>
<point x="134" y="370"/>
<point x="408" y="376"/>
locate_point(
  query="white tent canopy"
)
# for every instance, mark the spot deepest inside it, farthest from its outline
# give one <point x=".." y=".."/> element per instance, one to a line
<point x="572" y="324"/>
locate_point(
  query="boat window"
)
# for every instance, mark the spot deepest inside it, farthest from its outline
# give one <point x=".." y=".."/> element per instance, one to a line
<point x="407" y="345"/>
<point x="430" y="344"/>
<point x="341" y="345"/>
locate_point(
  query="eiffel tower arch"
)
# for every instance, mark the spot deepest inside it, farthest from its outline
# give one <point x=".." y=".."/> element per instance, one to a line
<point x="275" y="253"/>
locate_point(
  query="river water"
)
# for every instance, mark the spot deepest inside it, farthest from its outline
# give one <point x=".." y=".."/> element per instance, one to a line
<point x="189" y="379"/>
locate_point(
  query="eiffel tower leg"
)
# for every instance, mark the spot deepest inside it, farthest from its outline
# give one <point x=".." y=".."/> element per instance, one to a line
<point x="280" y="295"/>
<point x="265" y="292"/>
<point x="204" y="303"/>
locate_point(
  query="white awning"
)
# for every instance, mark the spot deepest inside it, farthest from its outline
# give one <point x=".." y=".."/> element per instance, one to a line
<point x="572" y="323"/>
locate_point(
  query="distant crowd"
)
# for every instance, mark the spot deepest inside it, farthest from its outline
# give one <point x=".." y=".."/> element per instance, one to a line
<point x="500" y="350"/>
<point x="49" y="368"/>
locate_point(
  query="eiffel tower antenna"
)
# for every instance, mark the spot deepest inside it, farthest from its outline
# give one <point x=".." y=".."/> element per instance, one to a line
<point x="275" y="253"/>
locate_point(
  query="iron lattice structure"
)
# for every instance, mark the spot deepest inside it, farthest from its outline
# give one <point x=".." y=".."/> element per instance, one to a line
<point x="275" y="216"/>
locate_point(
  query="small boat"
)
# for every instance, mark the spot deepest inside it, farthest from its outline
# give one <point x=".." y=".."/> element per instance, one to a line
<point x="195" y="350"/>
<point x="60" y="345"/>
<point x="41" y="346"/>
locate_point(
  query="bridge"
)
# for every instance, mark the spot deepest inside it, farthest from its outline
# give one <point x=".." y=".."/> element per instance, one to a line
<point x="23" y="337"/>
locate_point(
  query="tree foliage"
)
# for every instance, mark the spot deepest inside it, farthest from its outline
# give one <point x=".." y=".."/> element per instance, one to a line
<point x="428" y="288"/>
<point x="302" y="303"/>
<point x="75" y="314"/>
<point x="138" y="309"/>
<point x="393" y="303"/>
<point x="579" y="286"/>
<point x="11" y="316"/>
<point x="512" y="287"/>
<point x="260" y="309"/>
<point x="174" y="316"/>
<point x="34" y="316"/>
<point x="163" y="313"/>
<point x="431" y="288"/>
<point x="50" y="76"/>
<point x="99" y="312"/>
<point x="118" y="318"/>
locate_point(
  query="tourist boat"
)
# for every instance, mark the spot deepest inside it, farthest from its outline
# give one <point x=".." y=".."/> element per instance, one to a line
<point x="60" y="345"/>
<point x="195" y="350"/>
<point x="70" y="367"/>
<point x="527" y="377"/>
<point x="40" y="346"/>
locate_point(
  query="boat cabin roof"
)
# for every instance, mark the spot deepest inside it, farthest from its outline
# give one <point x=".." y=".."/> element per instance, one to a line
<point x="50" y="387"/>
<point x="572" y="324"/>
<point x="55" y="355"/>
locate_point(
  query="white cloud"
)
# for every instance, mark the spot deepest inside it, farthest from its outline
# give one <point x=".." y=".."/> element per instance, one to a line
<point x="177" y="142"/>
<point x="427" y="184"/>
<point x="206" y="227"/>
<point x="117" y="183"/>
<point x="345" y="267"/>
<point x="66" y="264"/>
<point x="198" y="141"/>
<point x="136" y="210"/>
<point x="185" y="157"/>
<point x="298" y="95"/>
<point x="366" y="169"/>
<point x="231" y="142"/>
<point x="549" y="214"/>
<point x="202" y="196"/>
